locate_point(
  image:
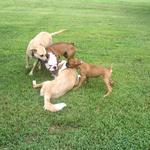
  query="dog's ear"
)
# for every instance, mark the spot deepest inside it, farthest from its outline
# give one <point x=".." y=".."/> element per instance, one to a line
<point x="78" y="63"/>
<point x="33" y="51"/>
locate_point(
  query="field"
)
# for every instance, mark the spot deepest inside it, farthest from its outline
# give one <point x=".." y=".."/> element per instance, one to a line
<point x="105" y="32"/>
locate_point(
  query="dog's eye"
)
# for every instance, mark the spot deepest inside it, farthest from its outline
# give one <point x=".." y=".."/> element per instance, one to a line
<point x="41" y="55"/>
<point x="47" y="55"/>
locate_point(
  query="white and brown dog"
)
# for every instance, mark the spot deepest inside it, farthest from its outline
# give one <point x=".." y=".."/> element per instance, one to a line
<point x="67" y="78"/>
<point x="36" y="48"/>
<point x="54" y="65"/>
<point x="52" y="62"/>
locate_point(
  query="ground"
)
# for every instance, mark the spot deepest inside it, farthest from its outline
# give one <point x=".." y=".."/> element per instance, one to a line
<point x="105" y="32"/>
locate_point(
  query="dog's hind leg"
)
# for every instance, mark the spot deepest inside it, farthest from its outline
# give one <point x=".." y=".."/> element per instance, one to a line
<point x="109" y="73"/>
<point x="34" y="65"/>
<point x="52" y="107"/>
<point x="111" y="82"/>
<point x="47" y="105"/>
<point x="42" y="91"/>
<point x="109" y="88"/>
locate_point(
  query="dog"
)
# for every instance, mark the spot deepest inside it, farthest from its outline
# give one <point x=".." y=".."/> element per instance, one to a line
<point x="91" y="70"/>
<point x="36" y="48"/>
<point x="67" y="78"/>
<point x="54" y="65"/>
<point x="62" y="49"/>
<point x="55" y="51"/>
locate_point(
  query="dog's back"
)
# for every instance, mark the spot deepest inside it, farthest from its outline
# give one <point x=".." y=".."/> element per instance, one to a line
<point x="64" y="82"/>
<point x="43" y="38"/>
<point x="62" y="49"/>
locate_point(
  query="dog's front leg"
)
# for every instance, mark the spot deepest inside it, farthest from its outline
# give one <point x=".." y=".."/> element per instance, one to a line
<point x="82" y="79"/>
<point x="27" y="61"/>
<point x="34" y="65"/>
<point x="47" y="104"/>
<point x="39" y="65"/>
<point x="78" y="79"/>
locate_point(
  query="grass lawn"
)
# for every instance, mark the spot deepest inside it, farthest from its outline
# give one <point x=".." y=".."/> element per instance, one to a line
<point x="105" y="32"/>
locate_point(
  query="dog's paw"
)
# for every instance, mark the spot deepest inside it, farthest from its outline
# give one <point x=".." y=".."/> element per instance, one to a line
<point x="59" y="106"/>
<point x="27" y="67"/>
<point x="49" y="108"/>
<point x="34" y="82"/>
<point x="31" y="73"/>
<point x="55" y="107"/>
<point x="106" y="94"/>
<point x="45" y="107"/>
<point x="79" y="76"/>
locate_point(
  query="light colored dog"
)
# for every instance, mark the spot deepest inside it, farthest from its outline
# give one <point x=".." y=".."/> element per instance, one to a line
<point x="67" y="78"/>
<point x="36" y="48"/>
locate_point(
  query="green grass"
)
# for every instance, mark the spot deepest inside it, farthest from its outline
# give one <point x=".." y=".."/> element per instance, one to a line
<point x="105" y="32"/>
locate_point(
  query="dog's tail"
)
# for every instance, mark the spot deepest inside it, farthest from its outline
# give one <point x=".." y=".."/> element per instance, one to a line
<point x="58" y="32"/>
<point x="36" y="85"/>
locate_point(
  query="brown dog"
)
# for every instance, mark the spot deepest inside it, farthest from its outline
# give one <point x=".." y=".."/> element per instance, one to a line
<point x="90" y="70"/>
<point x="62" y="49"/>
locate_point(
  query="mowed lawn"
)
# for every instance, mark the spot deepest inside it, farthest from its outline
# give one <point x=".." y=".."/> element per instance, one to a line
<point x="105" y="32"/>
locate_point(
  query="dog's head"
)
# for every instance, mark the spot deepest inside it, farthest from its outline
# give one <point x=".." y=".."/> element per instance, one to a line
<point x="52" y="63"/>
<point x="39" y="53"/>
<point x="73" y="63"/>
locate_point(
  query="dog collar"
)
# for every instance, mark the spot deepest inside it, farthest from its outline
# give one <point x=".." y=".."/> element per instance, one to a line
<point x="67" y="65"/>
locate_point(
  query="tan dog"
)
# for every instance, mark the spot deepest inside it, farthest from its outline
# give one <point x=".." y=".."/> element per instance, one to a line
<point x="36" y="48"/>
<point x="62" y="49"/>
<point x="90" y="70"/>
<point x="64" y="82"/>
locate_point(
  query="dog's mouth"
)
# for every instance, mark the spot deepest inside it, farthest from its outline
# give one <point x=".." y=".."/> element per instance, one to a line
<point x="45" y="61"/>
<point x="54" y="72"/>
<point x="43" y="58"/>
<point x="51" y="68"/>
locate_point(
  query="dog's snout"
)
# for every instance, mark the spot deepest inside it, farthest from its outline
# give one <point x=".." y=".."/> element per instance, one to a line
<point x="47" y="55"/>
<point x="54" y="67"/>
<point x="45" y="61"/>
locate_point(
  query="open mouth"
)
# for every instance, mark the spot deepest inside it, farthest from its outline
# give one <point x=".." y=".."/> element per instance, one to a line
<point x="51" y="68"/>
